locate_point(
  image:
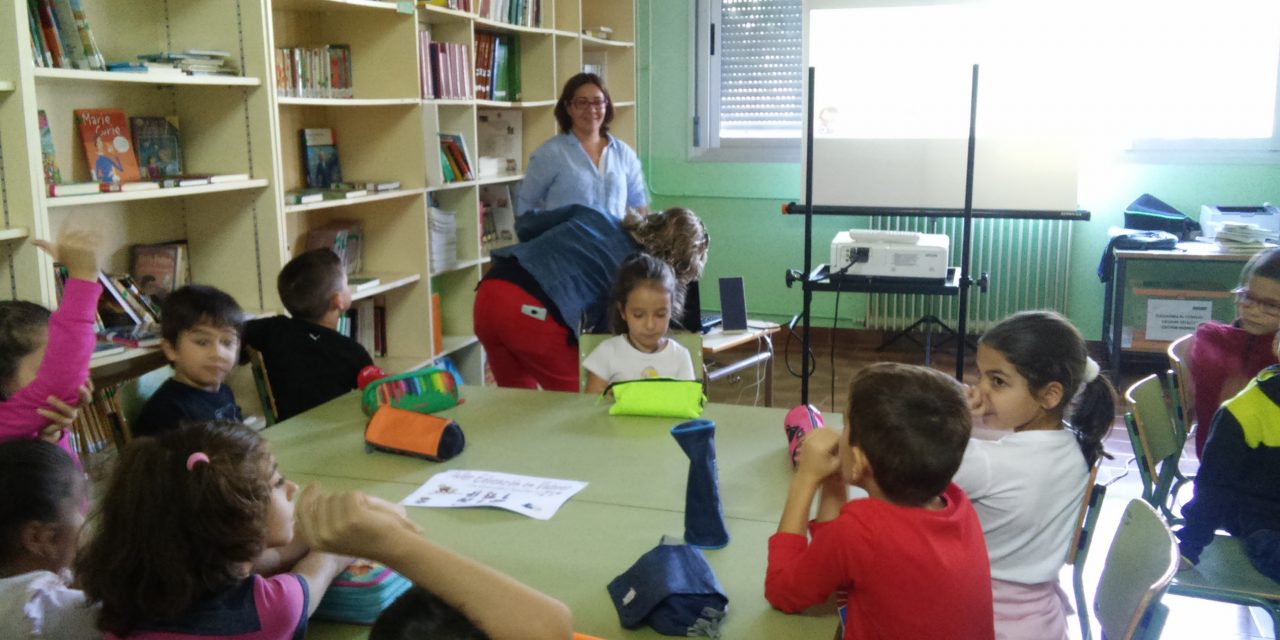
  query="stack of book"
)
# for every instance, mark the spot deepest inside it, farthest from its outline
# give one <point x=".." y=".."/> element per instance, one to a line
<point x="497" y="67"/>
<point x="455" y="162"/>
<point x="314" y="72"/>
<point x="446" y="69"/>
<point x="192" y="62"/>
<point x="444" y="239"/>
<point x="1238" y="237"/>
<point x="526" y="13"/>
<point x="61" y="36"/>
<point x="99" y="431"/>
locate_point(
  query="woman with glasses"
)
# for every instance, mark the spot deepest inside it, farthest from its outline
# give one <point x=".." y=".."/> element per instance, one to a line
<point x="583" y="164"/>
<point x="1225" y="357"/>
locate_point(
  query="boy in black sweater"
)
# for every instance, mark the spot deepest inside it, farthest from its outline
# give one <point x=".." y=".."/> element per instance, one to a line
<point x="308" y="362"/>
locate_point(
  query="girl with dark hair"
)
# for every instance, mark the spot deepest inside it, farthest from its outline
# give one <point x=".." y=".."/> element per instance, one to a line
<point x="1037" y="385"/>
<point x="183" y="519"/>
<point x="541" y="292"/>
<point x="40" y="520"/>
<point x="584" y="164"/>
<point x="1225" y="357"/>
<point x="644" y="299"/>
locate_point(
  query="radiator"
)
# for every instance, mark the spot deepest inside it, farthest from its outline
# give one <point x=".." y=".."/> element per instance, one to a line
<point x="1028" y="262"/>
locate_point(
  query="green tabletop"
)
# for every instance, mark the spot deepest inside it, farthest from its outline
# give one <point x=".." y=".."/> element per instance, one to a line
<point x="575" y="554"/>
<point x="627" y="461"/>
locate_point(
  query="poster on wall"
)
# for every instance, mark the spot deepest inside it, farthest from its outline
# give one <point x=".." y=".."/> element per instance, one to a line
<point x="1172" y="319"/>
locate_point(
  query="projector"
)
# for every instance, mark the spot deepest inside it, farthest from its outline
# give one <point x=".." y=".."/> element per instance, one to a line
<point x="890" y="254"/>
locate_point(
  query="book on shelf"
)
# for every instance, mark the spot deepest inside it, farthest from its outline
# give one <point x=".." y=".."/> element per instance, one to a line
<point x="437" y="325"/>
<point x="48" y="160"/>
<point x="74" y="189"/>
<point x="113" y="309"/>
<point x="344" y="194"/>
<point x="48" y="23"/>
<point x="116" y="187"/>
<point x="344" y="237"/>
<point x="135" y="337"/>
<point x="500" y="133"/>
<point x="450" y="70"/>
<point x="595" y="62"/>
<point x="104" y="348"/>
<point x="303" y="196"/>
<point x="314" y="72"/>
<point x="320" y="158"/>
<point x="107" y="145"/>
<point x="371" y="187"/>
<point x="159" y="149"/>
<point x="158" y="269"/>
<point x="499" y="215"/>
<point x="525" y="13"/>
<point x="443" y="226"/>
<point x="358" y="283"/>
<point x="455" y="149"/>
<point x="366" y="324"/>
<point x="493" y="77"/>
<point x="197" y="179"/>
<point x="192" y="62"/>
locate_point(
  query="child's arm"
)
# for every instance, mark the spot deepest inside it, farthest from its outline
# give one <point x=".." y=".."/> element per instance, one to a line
<point x="835" y="494"/>
<point x="319" y="569"/>
<point x="1225" y="455"/>
<point x="595" y="384"/>
<point x="275" y="560"/>
<point x="819" y="459"/>
<point x="496" y="603"/>
<point x="598" y="370"/>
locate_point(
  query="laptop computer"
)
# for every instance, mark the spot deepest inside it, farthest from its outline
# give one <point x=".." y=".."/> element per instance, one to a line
<point x="693" y="318"/>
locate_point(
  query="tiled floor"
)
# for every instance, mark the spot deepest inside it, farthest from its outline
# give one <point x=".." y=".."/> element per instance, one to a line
<point x="1188" y="618"/>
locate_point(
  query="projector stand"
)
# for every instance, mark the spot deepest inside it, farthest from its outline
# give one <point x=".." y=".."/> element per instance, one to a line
<point x="927" y="321"/>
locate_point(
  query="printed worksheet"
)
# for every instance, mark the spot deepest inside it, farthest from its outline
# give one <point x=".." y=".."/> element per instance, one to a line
<point x="527" y="495"/>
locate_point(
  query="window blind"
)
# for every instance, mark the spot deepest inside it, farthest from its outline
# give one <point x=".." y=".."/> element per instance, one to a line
<point x="761" y="78"/>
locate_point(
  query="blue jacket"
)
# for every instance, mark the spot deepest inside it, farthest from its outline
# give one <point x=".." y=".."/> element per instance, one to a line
<point x="574" y="253"/>
<point x="560" y="173"/>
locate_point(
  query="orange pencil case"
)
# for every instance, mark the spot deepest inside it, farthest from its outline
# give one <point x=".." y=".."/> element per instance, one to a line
<point x="415" y="434"/>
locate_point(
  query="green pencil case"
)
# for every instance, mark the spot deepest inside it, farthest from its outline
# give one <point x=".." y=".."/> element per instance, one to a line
<point x="424" y="390"/>
<point x="657" y="397"/>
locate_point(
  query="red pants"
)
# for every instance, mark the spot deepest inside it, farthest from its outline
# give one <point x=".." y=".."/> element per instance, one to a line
<point x="527" y="347"/>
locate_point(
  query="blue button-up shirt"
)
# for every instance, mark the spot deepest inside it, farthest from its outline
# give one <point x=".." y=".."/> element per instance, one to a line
<point x="560" y="173"/>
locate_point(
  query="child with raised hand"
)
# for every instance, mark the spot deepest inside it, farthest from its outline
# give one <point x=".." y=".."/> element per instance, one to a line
<point x="44" y="358"/>
<point x="498" y="605"/>
<point x="40" y="520"/>
<point x="910" y="555"/>
<point x="183" y="518"/>
<point x="645" y="297"/>
<point x="1040" y="389"/>
<point x="200" y="331"/>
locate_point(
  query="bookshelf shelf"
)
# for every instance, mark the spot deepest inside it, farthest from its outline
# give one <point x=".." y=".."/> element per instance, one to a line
<point x="498" y="25"/>
<point x="13" y="233"/>
<point x="451" y="102"/>
<point x="515" y="105"/>
<point x="330" y="204"/>
<point x="153" y="194"/>
<point x="499" y="179"/>
<point x="79" y="75"/>
<point x="450" y="186"/>
<point x="400" y="364"/>
<point x="589" y="42"/>
<point x="347" y="102"/>
<point x="390" y="281"/>
<point x="437" y="12"/>
<point x="6" y="86"/>
<point x="460" y="265"/>
<point x="130" y="363"/>
<point x="334" y="6"/>
<point x="453" y="344"/>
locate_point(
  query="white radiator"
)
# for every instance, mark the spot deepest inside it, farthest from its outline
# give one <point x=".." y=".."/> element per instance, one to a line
<point x="1028" y="262"/>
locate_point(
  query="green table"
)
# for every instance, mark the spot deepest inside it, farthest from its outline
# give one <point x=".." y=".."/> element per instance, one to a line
<point x="635" y="496"/>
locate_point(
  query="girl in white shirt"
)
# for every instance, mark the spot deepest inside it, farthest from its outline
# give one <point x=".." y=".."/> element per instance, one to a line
<point x="645" y="297"/>
<point x="1040" y="390"/>
<point x="40" y="519"/>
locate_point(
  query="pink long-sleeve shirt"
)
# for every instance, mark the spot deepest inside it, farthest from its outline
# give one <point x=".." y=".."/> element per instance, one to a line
<point x="64" y="368"/>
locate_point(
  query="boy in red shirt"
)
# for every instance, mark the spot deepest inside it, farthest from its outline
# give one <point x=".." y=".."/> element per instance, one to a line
<point x="911" y="556"/>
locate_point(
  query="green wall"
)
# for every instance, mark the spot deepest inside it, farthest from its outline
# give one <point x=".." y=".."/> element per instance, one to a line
<point x="740" y="202"/>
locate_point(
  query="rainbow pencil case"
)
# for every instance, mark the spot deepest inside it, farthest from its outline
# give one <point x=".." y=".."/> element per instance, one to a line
<point x="424" y="390"/>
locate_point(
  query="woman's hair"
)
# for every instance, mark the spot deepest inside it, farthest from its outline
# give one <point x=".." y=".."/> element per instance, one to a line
<point x="566" y="97"/>
<point x="675" y="236"/>
<point x="21" y="326"/>
<point x="1264" y="264"/>
<point x="418" y="613"/>
<point x="168" y="537"/>
<point x="35" y="479"/>
<point x="1045" y="347"/>
<point x="638" y="270"/>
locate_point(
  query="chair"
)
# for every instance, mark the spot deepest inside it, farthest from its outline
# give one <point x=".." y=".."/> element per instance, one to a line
<point x="1224" y="573"/>
<point x="1157" y="445"/>
<point x="1078" y="552"/>
<point x="1139" y="568"/>
<point x="587" y="342"/>
<point x="1182" y="386"/>
<point x="263" y="384"/>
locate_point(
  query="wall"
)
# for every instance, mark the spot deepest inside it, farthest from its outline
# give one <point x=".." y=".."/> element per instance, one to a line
<point x="740" y="202"/>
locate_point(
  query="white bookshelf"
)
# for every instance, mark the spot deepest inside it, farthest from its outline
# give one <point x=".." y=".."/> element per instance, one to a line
<point x="389" y="282"/>
<point x="152" y="194"/>
<point x="14" y="233"/>
<point x="84" y="76"/>
<point x="349" y="202"/>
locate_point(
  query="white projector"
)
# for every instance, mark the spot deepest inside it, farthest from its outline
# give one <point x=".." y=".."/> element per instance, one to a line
<point x="893" y="254"/>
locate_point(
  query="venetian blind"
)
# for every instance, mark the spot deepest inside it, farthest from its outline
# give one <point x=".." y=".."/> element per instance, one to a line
<point x="761" y="80"/>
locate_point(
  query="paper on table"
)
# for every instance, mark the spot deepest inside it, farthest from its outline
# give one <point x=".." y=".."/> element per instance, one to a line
<point x="527" y="495"/>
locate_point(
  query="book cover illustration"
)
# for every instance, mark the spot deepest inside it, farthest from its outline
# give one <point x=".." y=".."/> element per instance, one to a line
<point x="52" y="175"/>
<point x="159" y="149"/>
<point x="156" y="269"/>
<point x="320" y="158"/>
<point x="107" y="146"/>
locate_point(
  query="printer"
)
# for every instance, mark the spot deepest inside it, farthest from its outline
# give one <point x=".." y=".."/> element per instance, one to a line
<point x="1266" y="216"/>
<point x="891" y="254"/>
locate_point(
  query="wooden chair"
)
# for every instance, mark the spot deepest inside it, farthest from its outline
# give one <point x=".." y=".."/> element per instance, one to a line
<point x="263" y="384"/>
<point x="1078" y="552"/>
<point x="1157" y="445"/>
<point x="1182" y="386"/>
<point x="1140" y="566"/>
<point x="587" y="342"/>
<point x="1224" y="573"/>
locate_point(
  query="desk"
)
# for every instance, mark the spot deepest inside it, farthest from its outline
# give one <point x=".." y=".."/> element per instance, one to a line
<point x="718" y="340"/>
<point x="1201" y="257"/>
<point x="637" y="478"/>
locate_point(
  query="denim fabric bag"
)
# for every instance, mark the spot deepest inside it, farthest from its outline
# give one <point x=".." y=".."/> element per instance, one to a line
<point x="673" y="589"/>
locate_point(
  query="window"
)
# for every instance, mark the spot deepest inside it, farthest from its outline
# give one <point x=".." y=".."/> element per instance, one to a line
<point x="749" y="101"/>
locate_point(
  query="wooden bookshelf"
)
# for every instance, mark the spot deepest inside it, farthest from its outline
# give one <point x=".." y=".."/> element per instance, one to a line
<point x="85" y="76"/>
<point x="152" y="194"/>
<point x="389" y="282"/>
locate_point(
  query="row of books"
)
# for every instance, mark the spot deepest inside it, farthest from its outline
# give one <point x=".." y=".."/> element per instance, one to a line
<point x="526" y="13"/>
<point x="455" y="162"/>
<point x="192" y="62"/>
<point x="314" y="72"/>
<point x="339" y="191"/>
<point x="184" y="180"/>
<point x="497" y="67"/>
<point x="497" y="216"/>
<point x="99" y="431"/>
<point x="366" y="323"/>
<point x="61" y="36"/>
<point x="118" y="149"/>
<point x="443" y="227"/>
<point x="444" y="69"/>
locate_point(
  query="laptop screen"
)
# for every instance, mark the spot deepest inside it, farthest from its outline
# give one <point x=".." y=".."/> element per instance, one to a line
<point x="693" y="319"/>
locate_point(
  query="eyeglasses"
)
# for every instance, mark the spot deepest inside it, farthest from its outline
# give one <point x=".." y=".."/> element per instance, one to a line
<point x="583" y="103"/>
<point x="1245" y="298"/>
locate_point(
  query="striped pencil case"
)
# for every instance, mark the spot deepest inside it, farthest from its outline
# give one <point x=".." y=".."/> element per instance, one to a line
<point x="424" y="390"/>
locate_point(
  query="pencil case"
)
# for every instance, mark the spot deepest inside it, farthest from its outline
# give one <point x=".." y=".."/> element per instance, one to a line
<point x="410" y="433"/>
<point x="657" y="397"/>
<point x="424" y="390"/>
<point x="360" y="593"/>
